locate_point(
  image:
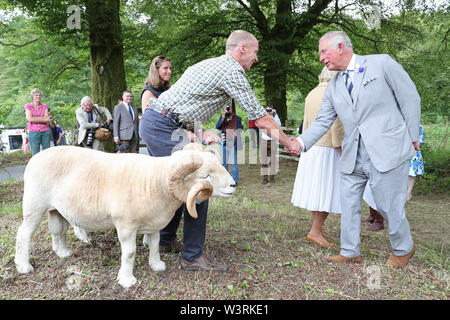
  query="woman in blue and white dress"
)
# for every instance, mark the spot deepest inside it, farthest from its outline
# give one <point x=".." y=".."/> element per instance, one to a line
<point x="415" y="166"/>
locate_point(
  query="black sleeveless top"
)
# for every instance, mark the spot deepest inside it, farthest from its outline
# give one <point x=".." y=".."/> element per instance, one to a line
<point x="153" y="90"/>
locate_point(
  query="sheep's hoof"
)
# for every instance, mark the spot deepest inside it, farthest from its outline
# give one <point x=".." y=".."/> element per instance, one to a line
<point x="81" y="234"/>
<point x="158" y="266"/>
<point x="24" y="268"/>
<point x="126" y="281"/>
<point x="63" y="253"/>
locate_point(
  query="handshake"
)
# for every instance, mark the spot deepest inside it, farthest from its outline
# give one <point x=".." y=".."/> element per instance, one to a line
<point x="294" y="147"/>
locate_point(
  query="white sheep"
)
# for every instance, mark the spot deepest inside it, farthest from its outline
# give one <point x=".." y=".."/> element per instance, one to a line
<point x="133" y="193"/>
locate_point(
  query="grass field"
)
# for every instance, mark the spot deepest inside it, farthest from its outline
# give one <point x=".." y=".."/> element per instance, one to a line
<point x="258" y="233"/>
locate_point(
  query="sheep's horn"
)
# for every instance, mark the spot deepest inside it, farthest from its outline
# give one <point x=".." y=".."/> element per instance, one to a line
<point x="202" y="191"/>
<point x="176" y="177"/>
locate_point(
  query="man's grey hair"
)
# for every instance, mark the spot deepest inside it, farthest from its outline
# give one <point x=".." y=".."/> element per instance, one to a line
<point x="336" y="37"/>
<point x="237" y="37"/>
<point x="83" y="100"/>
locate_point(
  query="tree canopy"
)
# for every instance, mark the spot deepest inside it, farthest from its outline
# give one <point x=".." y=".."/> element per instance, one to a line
<point x="113" y="45"/>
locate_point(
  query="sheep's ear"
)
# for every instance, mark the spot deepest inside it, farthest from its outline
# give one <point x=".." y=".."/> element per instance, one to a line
<point x="201" y="191"/>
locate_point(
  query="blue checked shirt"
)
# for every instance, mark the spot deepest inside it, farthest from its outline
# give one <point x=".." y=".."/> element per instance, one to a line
<point x="206" y="88"/>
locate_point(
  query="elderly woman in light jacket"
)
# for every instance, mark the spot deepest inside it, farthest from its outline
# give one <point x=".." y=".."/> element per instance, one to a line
<point x="316" y="186"/>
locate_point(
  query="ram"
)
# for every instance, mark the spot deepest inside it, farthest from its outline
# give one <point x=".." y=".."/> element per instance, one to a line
<point x="132" y="193"/>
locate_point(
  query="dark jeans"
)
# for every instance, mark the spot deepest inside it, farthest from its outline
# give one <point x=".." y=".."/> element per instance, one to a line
<point x="164" y="136"/>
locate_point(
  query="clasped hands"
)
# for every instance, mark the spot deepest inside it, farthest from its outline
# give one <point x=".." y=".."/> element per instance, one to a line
<point x="294" y="147"/>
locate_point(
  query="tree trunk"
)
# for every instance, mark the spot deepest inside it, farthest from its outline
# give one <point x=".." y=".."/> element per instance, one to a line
<point x="106" y="47"/>
<point x="275" y="81"/>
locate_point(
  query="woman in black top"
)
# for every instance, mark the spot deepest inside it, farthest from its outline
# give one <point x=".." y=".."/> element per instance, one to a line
<point x="158" y="80"/>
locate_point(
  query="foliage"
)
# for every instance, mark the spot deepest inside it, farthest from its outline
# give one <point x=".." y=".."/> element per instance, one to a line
<point x="32" y="59"/>
<point x="37" y="51"/>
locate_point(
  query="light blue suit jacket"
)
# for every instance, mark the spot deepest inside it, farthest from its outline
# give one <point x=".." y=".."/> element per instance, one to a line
<point x="385" y="111"/>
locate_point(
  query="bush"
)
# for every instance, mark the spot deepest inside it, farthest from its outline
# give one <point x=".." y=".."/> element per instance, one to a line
<point x="437" y="171"/>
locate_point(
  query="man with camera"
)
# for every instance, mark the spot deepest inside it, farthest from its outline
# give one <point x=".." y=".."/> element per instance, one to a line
<point x="126" y="126"/>
<point x="268" y="151"/>
<point x="230" y="125"/>
<point x="89" y="117"/>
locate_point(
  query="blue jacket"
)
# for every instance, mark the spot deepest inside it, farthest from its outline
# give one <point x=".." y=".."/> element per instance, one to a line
<point x="239" y="129"/>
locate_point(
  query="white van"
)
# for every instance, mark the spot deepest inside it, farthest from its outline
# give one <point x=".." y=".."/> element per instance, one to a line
<point x="11" y="139"/>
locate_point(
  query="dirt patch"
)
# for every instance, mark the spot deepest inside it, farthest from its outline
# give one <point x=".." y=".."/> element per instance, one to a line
<point x="258" y="233"/>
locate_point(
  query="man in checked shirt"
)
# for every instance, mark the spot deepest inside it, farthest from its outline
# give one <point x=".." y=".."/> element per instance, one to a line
<point x="200" y="93"/>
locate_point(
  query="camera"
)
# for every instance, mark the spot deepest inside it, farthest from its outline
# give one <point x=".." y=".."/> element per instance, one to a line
<point x="90" y="137"/>
<point x="228" y="113"/>
<point x="271" y="111"/>
<point x="108" y="126"/>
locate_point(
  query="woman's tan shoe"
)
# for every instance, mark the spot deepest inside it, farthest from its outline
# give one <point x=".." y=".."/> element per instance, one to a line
<point x="320" y="242"/>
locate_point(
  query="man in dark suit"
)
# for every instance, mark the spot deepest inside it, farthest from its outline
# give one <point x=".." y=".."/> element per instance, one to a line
<point x="125" y="125"/>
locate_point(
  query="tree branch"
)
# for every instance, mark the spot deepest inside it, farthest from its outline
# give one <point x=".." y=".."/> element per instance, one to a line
<point x="18" y="45"/>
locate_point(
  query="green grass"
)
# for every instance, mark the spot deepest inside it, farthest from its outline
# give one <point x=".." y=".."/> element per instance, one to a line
<point x="258" y="233"/>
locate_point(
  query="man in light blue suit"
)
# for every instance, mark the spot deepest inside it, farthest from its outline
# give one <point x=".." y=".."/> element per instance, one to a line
<point x="379" y="107"/>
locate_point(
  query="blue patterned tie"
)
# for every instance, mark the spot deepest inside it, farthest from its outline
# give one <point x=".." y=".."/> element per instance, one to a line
<point x="348" y="82"/>
<point x="131" y="112"/>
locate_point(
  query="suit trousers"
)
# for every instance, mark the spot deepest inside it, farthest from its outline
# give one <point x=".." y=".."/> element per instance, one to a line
<point x="133" y="143"/>
<point x="163" y="136"/>
<point x="389" y="192"/>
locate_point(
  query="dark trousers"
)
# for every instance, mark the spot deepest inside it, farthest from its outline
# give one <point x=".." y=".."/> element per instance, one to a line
<point x="163" y="136"/>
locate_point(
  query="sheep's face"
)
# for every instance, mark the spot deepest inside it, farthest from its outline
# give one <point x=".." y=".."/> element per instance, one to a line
<point x="195" y="175"/>
<point x="213" y="172"/>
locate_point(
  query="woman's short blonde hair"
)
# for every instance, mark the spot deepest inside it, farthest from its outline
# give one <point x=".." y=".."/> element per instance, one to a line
<point x="326" y="75"/>
<point x="153" y="79"/>
<point x="34" y="91"/>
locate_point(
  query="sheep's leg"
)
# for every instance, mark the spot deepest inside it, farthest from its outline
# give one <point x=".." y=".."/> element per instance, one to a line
<point x="127" y="240"/>
<point x="58" y="227"/>
<point x="154" y="259"/>
<point x="81" y="234"/>
<point x="23" y="242"/>
<point x="146" y="240"/>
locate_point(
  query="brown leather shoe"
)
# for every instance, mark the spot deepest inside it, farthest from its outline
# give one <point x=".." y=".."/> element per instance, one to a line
<point x="342" y="259"/>
<point x="174" y="247"/>
<point x="320" y="242"/>
<point x="378" y="223"/>
<point x="376" y="226"/>
<point x="203" y="263"/>
<point x="400" y="261"/>
<point x="371" y="217"/>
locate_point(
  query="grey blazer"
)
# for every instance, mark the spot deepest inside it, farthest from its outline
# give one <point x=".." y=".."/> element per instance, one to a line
<point x="385" y="111"/>
<point x="124" y="125"/>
